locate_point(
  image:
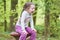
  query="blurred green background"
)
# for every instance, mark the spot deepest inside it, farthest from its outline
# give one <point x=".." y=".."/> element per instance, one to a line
<point x="46" y="18"/>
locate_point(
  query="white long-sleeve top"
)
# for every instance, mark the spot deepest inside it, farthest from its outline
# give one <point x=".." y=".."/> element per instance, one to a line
<point x="24" y="19"/>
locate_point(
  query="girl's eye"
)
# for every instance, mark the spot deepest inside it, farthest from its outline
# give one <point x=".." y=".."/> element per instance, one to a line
<point x="32" y="8"/>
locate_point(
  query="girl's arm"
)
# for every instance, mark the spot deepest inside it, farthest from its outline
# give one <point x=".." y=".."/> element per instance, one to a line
<point x="22" y="21"/>
<point x="31" y="22"/>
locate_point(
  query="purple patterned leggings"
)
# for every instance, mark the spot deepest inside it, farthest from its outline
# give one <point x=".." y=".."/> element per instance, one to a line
<point x="24" y="35"/>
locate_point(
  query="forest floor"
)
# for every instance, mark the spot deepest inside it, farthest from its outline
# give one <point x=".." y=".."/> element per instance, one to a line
<point x="6" y="36"/>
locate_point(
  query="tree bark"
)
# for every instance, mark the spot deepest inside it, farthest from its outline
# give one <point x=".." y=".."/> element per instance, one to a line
<point x="13" y="7"/>
<point x="5" y="22"/>
<point x="47" y="19"/>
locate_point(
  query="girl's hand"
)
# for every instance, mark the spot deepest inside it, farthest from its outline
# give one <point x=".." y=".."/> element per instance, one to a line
<point x="24" y="31"/>
<point x="35" y="30"/>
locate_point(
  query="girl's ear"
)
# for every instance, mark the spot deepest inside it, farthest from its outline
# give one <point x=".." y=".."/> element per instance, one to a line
<point x="27" y="8"/>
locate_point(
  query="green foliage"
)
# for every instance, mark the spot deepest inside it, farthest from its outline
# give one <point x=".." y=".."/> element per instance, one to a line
<point x="52" y="7"/>
<point x="54" y="15"/>
<point x="1" y="11"/>
<point x="39" y="28"/>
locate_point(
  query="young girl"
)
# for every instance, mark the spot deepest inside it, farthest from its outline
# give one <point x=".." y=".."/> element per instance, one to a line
<point x="22" y="23"/>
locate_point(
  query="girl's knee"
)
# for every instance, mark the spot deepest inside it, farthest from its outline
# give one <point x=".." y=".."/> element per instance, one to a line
<point x="24" y="34"/>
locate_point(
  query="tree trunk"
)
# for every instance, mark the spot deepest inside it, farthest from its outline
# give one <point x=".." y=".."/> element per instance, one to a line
<point x="13" y="5"/>
<point x="5" y="22"/>
<point x="11" y="23"/>
<point x="47" y="20"/>
<point x="47" y="23"/>
<point x="34" y="17"/>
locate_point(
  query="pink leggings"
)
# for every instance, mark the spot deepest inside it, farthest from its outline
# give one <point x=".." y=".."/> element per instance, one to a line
<point x="23" y="35"/>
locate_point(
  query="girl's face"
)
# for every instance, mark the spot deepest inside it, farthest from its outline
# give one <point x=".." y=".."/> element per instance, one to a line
<point x="31" y="9"/>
